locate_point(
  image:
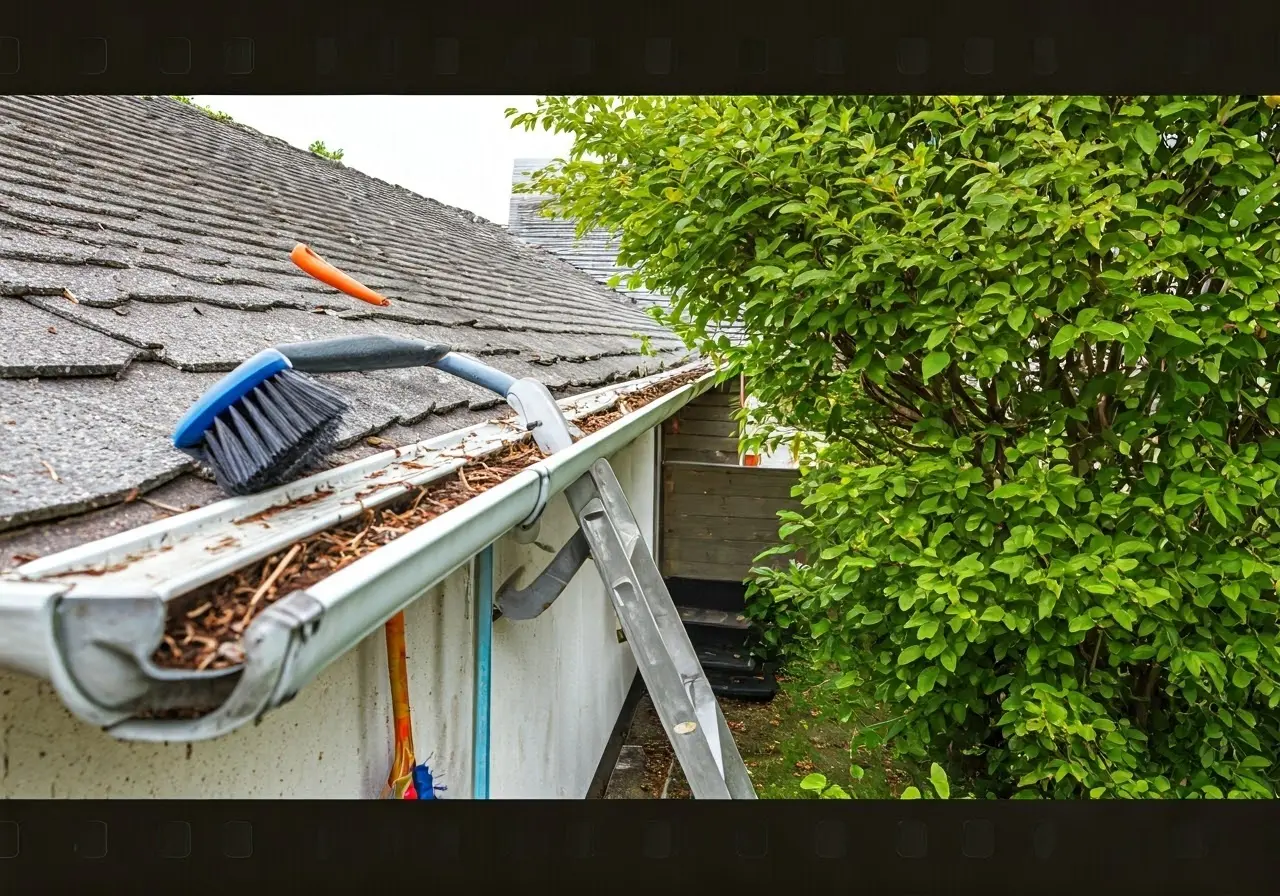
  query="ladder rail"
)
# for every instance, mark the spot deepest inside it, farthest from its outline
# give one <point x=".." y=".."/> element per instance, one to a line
<point x="666" y="616"/>
<point x="668" y="662"/>
<point x="666" y="658"/>
<point x="667" y="687"/>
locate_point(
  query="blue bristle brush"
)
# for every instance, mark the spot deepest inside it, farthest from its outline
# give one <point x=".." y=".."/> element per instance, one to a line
<point x="267" y="422"/>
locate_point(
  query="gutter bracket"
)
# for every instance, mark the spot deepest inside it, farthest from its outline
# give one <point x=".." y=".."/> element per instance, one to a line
<point x="527" y="531"/>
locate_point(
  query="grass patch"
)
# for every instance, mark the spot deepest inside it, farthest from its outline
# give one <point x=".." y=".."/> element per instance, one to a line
<point x="807" y="729"/>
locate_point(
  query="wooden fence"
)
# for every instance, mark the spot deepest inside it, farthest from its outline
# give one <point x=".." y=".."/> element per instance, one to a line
<point x="716" y="515"/>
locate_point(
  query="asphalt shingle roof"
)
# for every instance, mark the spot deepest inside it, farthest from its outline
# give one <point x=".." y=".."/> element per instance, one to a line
<point x="144" y="251"/>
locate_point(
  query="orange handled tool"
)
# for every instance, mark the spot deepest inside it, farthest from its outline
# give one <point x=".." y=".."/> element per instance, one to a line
<point x="400" y="780"/>
<point x="317" y="267"/>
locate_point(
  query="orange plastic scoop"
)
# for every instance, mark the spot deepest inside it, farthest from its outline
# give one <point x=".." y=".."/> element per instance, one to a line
<point x="303" y="256"/>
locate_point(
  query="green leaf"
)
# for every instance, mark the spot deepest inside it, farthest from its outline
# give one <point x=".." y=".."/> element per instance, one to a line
<point x="1046" y="604"/>
<point x="1063" y="340"/>
<point x="1180" y="332"/>
<point x="933" y="364"/>
<point x="749" y="206"/>
<point x="683" y="224"/>
<point x="814" y="782"/>
<point x="927" y="679"/>
<point x="791" y="208"/>
<point x="938" y="778"/>
<point x="911" y="654"/>
<point x="810" y="276"/>
<point x="1215" y="509"/>
<point x="1093" y="233"/>
<point x="1146" y="137"/>
<point x="911" y="793"/>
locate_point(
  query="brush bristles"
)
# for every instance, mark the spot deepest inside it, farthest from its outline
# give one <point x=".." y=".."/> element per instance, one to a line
<point x="277" y="432"/>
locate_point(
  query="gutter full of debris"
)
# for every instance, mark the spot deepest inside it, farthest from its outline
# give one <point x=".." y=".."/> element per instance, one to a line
<point x="283" y="583"/>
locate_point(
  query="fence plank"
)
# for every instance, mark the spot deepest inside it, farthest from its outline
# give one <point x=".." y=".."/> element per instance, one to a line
<point x="683" y="442"/>
<point x="683" y="478"/>
<point x="743" y="528"/>
<point x="728" y="507"/>
<point x="707" y="572"/>
<point x="716" y="399"/>
<point x="722" y="429"/>
<point x="728" y="553"/>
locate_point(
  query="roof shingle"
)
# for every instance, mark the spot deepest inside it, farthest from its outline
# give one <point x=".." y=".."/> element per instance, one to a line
<point x="144" y="250"/>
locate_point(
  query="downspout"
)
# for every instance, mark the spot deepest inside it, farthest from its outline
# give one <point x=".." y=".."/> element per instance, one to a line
<point x="483" y="680"/>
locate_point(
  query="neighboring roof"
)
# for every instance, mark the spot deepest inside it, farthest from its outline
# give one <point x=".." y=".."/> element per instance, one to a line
<point x="595" y="253"/>
<point x="144" y="250"/>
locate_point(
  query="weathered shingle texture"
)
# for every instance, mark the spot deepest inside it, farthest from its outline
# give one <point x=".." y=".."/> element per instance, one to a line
<point x="144" y="251"/>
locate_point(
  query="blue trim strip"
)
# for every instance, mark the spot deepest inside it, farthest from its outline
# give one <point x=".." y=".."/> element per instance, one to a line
<point x="483" y="674"/>
<point x="230" y="389"/>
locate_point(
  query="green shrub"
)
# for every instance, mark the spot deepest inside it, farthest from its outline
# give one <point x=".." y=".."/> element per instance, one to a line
<point x="1038" y="338"/>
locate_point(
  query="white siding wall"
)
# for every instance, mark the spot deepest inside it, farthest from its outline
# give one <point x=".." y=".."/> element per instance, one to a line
<point x="559" y="683"/>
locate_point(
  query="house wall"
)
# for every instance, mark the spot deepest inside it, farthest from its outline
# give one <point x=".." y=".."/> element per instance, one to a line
<point x="558" y="684"/>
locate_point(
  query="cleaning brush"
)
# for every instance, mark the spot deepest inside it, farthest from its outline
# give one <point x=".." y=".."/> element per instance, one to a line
<point x="267" y="422"/>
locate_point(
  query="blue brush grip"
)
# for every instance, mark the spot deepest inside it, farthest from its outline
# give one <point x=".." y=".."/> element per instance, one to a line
<point x="473" y="371"/>
<point x="230" y="389"/>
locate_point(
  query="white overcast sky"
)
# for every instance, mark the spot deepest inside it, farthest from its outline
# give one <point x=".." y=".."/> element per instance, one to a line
<point x="456" y="149"/>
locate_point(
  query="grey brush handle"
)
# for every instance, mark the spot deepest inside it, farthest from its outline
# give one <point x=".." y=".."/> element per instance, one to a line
<point x="362" y="353"/>
<point x="473" y="371"/>
<point x="348" y="353"/>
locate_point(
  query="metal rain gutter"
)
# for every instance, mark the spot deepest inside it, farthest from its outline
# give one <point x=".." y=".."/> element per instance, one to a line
<point x="88" y="619"/>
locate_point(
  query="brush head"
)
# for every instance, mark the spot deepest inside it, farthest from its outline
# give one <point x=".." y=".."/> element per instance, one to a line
<point x="272" y="434"/>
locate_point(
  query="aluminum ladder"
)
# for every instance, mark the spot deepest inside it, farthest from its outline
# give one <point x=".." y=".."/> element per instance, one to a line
<point x="609" y="534"/>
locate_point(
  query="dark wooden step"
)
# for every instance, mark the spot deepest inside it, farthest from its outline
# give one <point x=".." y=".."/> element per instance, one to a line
<point x="761" y="686"/>
<point x="713" y="618"/>
<point x="737" y="660"/>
